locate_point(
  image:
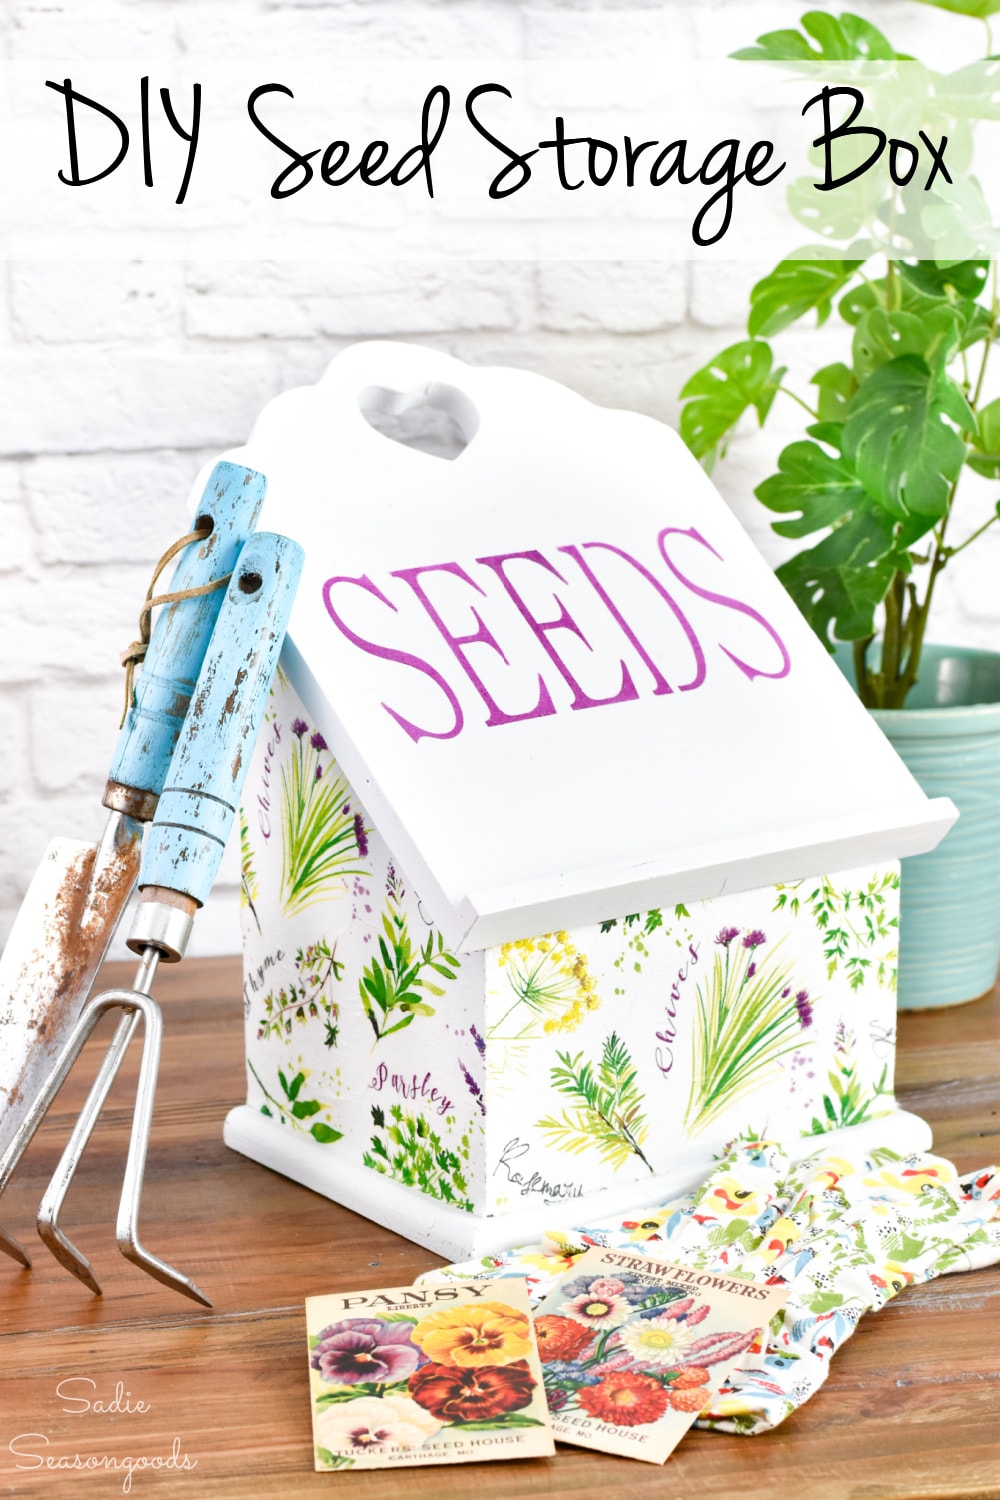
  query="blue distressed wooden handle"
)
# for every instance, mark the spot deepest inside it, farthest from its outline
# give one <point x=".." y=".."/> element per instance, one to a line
<point x="209" y="766"/>
<point x="231" y="500"/>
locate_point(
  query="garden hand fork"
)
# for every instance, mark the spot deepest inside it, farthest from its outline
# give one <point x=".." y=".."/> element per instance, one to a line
<point x="179" y="863"/>
<point x="78" y="893"/>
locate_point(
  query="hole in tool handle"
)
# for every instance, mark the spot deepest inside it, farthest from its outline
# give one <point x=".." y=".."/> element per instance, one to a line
<point x="249" y="582"/>
<point x="433" y="418"/>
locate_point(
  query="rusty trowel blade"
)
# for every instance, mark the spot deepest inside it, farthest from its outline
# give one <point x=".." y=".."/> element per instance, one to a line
<point x="57" y="944"/>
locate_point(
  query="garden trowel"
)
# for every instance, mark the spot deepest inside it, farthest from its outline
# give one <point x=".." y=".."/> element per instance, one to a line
<point x="78" y="893"/>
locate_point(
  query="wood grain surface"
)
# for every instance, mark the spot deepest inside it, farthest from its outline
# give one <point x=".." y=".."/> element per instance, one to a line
<point x="911" y="1410"/>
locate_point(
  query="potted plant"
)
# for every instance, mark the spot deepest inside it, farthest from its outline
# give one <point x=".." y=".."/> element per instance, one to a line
<point x="892" y="432"/>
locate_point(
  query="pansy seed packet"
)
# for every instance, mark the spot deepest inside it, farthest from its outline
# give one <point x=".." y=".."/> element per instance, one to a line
<point x="436" y="1374"/>
<point x="634" y="1348"/>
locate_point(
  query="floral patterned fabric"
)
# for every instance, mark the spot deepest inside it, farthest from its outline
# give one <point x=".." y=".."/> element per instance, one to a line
<point x="845" y="1232"/>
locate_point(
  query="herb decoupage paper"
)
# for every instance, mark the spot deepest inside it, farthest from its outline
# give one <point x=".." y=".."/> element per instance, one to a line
<point x="557" y="1065"/>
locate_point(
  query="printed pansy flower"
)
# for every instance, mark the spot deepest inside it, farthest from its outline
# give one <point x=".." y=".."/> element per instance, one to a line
<point x="472" y="1395"/>
<point x="656" y="1341"/>
<point x="365" y="1349"/>
<point x="370" y="1424"/>
<point x="490" y="1333"/>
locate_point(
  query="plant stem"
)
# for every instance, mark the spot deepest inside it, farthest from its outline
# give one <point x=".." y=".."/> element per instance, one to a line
<point x="906" y="615"/>
<point x="804" y="404"/>
<point x="249" y="901"/>
<point x="861" y="675"/>
<point x="988" y="343"/>
<point x="890" y="273"/>
<point x="954" y="551"/>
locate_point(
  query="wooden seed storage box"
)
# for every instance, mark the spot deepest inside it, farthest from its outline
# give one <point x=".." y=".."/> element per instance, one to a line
<point x="532" y="924"/>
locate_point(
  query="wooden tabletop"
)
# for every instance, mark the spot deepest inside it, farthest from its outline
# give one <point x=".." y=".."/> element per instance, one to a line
<point x="911" y="1407"/>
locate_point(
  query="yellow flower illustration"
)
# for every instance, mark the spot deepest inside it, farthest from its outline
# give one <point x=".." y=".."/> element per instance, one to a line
<point x="546" y="989"/>
<point x="491" y="1333"/>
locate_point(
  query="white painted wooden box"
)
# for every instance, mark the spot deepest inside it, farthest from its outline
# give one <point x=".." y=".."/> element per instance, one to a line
<point x="529" y="839"/>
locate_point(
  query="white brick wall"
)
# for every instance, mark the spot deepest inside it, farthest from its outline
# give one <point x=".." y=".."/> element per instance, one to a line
<point x="117" y="381"/>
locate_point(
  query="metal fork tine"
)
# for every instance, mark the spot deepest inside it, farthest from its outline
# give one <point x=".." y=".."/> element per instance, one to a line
<point x="12" y="1246"/>
<point x="39" y="1107"/>
<point x="48" y="1210"/>
<point x="128" y="1209"/>
<point x="136" y="1004"/>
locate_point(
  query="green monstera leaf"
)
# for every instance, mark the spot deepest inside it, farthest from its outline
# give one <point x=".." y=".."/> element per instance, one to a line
<point x="967" y="278"/>
<point x="978" y="8"/>
<point x="901" y="436"/>
<point x="820" y="486"/>
<point x="720" y="392"/>
<point x="986" y="458"/>
<point x="797" y="286"/>
<point x="841" y="38"/>
<point x="881" y="336"/>
<point x="835" y="385"/>
<point x="840" y="583"/>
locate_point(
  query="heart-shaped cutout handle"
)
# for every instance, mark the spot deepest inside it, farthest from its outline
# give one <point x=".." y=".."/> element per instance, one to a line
<point x="433" y="418"/>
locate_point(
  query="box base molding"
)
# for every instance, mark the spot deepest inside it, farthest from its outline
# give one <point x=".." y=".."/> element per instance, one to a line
<point x="461" y="1236"/>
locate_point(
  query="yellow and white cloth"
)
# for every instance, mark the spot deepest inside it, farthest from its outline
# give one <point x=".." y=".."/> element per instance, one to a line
<point x="846" y="1233"/>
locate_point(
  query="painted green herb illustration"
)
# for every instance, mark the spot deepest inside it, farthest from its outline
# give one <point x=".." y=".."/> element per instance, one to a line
<point x="639" y="928"/>
<point x="607" y="1113"/>
<point x="249" y="890"/>
<point x="408" y="1150"/>
<point x="858" y="931"/>
<point x="749" y="1015"/>
<point x="322" y="837"/>
<point x="394" y="986"/>
<point x="552" y="989"/>
<point x="846" y="1103"/>
<point x="293" y="1109"/>
<point x="309" y="998"/>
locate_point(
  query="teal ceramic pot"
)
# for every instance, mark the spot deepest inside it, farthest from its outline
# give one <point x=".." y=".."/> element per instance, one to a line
<point x="949" y="737"/>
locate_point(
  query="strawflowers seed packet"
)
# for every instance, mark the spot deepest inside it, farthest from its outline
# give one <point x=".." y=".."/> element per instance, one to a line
<point x="425" y="1375"/>
<point x="633" y="1348"/>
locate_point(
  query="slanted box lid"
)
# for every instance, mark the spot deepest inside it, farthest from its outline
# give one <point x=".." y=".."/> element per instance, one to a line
<point x="559" y="675"/>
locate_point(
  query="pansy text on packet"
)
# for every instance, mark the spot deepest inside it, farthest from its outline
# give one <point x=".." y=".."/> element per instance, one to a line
<point x="437" y="1374"/>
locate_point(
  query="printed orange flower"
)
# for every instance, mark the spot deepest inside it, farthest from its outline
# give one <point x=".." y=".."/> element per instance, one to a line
<point x="693" y="1399"/>
<point x="490" y="1333"/>
<point x="454" y="1395"/>
<point x="560" y="1338"/>
<point x="624" y="1398"/>
<point x="689" y="1377"/>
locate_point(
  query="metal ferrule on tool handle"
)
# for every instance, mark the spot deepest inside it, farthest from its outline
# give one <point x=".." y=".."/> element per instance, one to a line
<point x="162" y="923"/>
<point x="230" y="503"/>
<point x="198" y="804"/>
